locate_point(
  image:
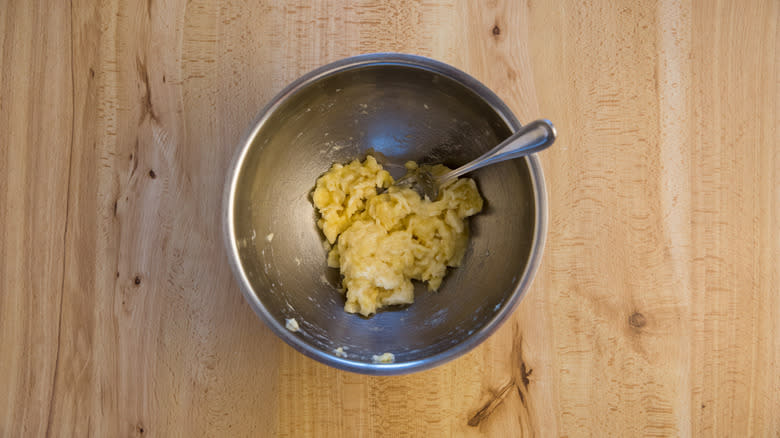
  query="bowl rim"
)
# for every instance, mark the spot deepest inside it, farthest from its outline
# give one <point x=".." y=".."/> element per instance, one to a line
<point x="457" y="350"/>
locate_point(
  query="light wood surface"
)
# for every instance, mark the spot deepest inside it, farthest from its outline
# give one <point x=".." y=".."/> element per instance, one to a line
<point x="656" y="311"/>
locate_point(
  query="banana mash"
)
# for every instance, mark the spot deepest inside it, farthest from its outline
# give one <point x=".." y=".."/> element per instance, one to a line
<point x="381" y="242"/>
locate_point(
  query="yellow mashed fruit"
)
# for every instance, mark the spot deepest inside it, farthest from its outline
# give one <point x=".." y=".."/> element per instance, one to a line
<point x="381" y="242"/>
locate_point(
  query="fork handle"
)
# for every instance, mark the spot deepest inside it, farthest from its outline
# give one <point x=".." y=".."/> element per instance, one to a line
<point x="529" y="139"/>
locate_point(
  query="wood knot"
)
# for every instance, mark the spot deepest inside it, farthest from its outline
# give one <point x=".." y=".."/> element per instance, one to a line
<point x="496" y="30"/>
<point x="637" y="320"/>
<point x="152" y="175"/>
<point x="137" y="280"/>
<point x="525" y="374"/>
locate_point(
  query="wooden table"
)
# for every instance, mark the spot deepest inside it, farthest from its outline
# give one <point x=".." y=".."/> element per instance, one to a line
<point x="656" y="311"/>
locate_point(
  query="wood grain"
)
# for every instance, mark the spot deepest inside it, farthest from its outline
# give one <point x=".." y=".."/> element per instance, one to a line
<point x="656" y="311"/>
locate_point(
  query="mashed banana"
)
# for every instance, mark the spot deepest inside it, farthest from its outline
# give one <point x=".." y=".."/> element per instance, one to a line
<point x="383" y="242"/>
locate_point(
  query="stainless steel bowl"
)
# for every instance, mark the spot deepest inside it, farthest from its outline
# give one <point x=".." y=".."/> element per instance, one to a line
<point x="400" y="107"/>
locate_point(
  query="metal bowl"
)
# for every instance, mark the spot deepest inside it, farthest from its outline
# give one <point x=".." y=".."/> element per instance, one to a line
<point x="400" y="108"/>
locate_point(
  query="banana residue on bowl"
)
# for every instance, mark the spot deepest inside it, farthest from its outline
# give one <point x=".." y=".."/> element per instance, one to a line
<point x="381" y="242"/>
<point x="383" y="358"/>
<point x="292" y="325"/>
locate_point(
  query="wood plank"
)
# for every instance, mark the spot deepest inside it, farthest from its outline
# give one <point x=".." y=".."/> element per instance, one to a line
<point x="36" y="142"/>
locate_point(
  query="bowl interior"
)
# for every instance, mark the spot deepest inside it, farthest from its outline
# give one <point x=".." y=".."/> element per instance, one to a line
<point x="399" y="113"/>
